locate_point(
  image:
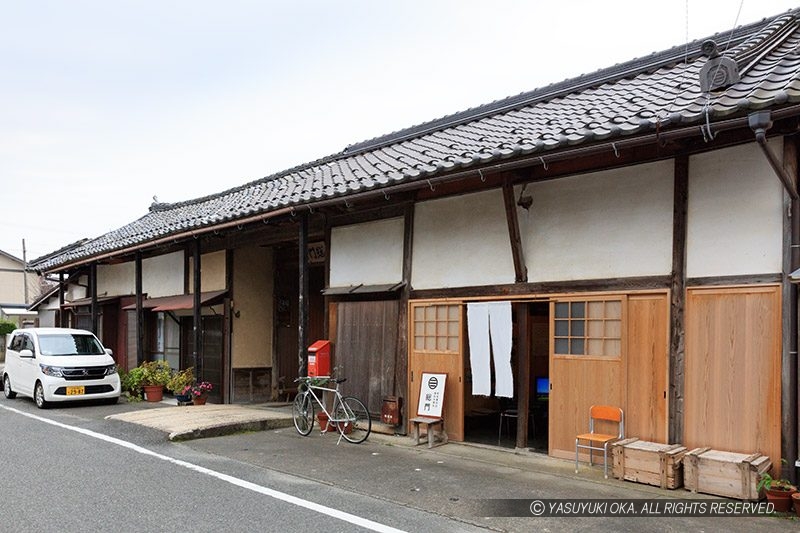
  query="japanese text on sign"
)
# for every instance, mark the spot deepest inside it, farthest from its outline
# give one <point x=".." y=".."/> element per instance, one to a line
<point x="431" y="395"/>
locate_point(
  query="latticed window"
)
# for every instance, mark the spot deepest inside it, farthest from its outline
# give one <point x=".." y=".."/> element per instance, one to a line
<point x="436" y="328"/>
<point x="589" y="327"/>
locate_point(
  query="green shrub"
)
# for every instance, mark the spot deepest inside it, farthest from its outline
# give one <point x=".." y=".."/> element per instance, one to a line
<point x="6" y="327"/>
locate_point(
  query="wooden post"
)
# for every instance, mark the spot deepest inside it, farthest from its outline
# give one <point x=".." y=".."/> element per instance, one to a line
<point x="401" y="359"/>
<point x="523" y="374"/>
<point x="791" y="262"/>
<point x="61" y="300"/>
<point x="226" y="374"/>
<point x="197" y="325"/>
<point x="139" y="311"/>
<point x="678" y="298"/>
<point x="302" y="308"/>
<point x="93" y="288"/>
<point x="520" y="270"/>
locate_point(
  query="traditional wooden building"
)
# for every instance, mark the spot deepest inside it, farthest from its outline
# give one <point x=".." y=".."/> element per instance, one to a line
<point x="625" y="237"/>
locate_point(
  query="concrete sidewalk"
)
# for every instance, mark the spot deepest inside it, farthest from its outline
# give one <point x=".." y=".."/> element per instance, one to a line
<point x="209" y="420"/>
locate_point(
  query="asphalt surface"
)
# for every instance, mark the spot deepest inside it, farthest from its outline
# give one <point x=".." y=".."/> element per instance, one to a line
<point x="453" y="480"/>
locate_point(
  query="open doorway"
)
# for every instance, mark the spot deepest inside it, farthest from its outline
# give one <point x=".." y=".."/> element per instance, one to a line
<point x="495" y="420"/>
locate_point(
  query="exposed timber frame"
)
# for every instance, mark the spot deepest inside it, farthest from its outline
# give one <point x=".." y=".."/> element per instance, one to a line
<point x="401" y="359"/>
<point x="197" y="324"/>
<point x="302" y="319"/>
<point x="93" y="289"/>
<point x="520" y="270"/>
<point x="791" y="262"/>
<point x="139" y="310"/>
<point x="678" y="298"/>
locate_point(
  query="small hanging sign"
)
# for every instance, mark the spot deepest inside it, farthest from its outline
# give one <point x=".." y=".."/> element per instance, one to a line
<point x="431" y="395"/>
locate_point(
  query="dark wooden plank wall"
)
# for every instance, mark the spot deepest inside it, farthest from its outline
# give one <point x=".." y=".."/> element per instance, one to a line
<point x="366" y="344"/>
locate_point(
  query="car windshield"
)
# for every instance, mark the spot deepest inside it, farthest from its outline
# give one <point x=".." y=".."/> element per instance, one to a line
<point x="69" y="344"/>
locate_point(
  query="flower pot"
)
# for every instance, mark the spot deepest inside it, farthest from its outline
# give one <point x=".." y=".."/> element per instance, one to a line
<point x="183" y="398"/>
<point x="153" y="393"/>
<point x="199" y="400"/>
<point x="324" y="423"/>
<point x="796" y="502"/>
<point x="781" y="499"/>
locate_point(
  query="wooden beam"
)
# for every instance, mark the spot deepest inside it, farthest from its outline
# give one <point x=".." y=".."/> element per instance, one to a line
<point x="558" y="287"/>
<point x="678" y="298"/>
<point x="520" y="270"/>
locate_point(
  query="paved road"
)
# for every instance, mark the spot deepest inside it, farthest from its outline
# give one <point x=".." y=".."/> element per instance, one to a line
<point x="70" y="470"/>
<point x="383" y="480"/>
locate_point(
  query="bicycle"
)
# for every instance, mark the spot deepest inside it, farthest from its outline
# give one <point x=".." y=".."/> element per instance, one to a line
<point x="348" y="414"/>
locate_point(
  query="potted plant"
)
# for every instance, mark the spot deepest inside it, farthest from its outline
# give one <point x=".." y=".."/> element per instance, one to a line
<point x="198" y="392"/>
<point x="131" y="383"/>
<point x="778" y="491"/>
<point x="155" y="376"/>
<point x="178" y="383"/>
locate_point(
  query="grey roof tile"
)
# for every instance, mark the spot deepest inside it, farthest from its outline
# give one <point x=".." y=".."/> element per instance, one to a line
<point x="624" y="100"/>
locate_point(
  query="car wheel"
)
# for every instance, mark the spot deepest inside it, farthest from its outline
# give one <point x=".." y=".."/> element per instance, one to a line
<point x="38" y="396"/>
<point x="10" y="394"/>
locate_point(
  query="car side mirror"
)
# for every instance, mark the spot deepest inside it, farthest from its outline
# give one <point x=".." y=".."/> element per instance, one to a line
<point x="109" y="352"/>
<point x="26" y="353"/>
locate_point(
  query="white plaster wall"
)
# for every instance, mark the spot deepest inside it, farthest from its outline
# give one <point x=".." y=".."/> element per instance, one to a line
<point x="461" y="241"/>
<point x="116" y="280"/>
<point x="212" y="272"/>
<point x="163" y="275"/>
<point x="47" y="318"/>
<point x="609" y="224"/>
<point x="735" y="213"/>
<point x="370" y="253"/>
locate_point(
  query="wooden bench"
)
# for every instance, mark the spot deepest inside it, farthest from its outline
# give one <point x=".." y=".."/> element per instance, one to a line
<point x="430" y="425"/>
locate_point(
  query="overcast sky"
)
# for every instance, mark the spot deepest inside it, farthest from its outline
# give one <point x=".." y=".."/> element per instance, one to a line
<point x="105" y="104"/>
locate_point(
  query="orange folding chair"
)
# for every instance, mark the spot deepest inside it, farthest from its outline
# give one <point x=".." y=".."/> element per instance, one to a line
<point x="600" y="441"/>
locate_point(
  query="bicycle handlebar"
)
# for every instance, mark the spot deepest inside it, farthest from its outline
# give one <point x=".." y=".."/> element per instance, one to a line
<point x="308" y="378"/>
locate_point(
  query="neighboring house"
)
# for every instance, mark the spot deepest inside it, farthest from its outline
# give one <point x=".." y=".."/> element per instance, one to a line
<point x="634" y="228"/>
<point x="18" y="288"/>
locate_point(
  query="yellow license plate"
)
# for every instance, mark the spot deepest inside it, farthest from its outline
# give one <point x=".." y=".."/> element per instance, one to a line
<point x="75" y="391"/>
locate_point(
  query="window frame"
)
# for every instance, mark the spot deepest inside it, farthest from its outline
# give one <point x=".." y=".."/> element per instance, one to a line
<point x="620" y="333"/>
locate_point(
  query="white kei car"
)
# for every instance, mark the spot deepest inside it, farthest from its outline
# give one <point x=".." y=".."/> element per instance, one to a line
<point x="59" y="364"/>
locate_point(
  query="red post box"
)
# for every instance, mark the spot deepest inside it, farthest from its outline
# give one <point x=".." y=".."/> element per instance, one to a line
<point x="319" y="359"/>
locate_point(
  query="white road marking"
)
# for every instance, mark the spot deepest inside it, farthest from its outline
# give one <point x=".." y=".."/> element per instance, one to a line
<point x="335" y="513"/>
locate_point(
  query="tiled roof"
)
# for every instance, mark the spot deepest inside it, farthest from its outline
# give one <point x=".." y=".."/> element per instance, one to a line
<point x="659" y="91"/>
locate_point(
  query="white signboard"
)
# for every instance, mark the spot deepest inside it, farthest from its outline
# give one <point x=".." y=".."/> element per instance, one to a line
<point x="431" y="395"/>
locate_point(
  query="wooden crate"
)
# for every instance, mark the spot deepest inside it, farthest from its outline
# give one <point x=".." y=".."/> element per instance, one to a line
<point x="649" y="462"/>
<point x="734" y="475"/>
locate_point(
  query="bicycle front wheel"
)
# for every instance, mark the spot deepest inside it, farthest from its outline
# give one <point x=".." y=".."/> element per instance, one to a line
<point x="358" y="425"/>
<point x="303" y="413"/>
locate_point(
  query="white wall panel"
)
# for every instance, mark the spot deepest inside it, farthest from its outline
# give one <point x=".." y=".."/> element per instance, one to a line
<point x="370" y="253"/>
<point x="735" y="213"/>
<point x="609" y="224"/>
<point x="163" y="275"/>
<point x="116" y="280"/>
<point x="461" y="241"/>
